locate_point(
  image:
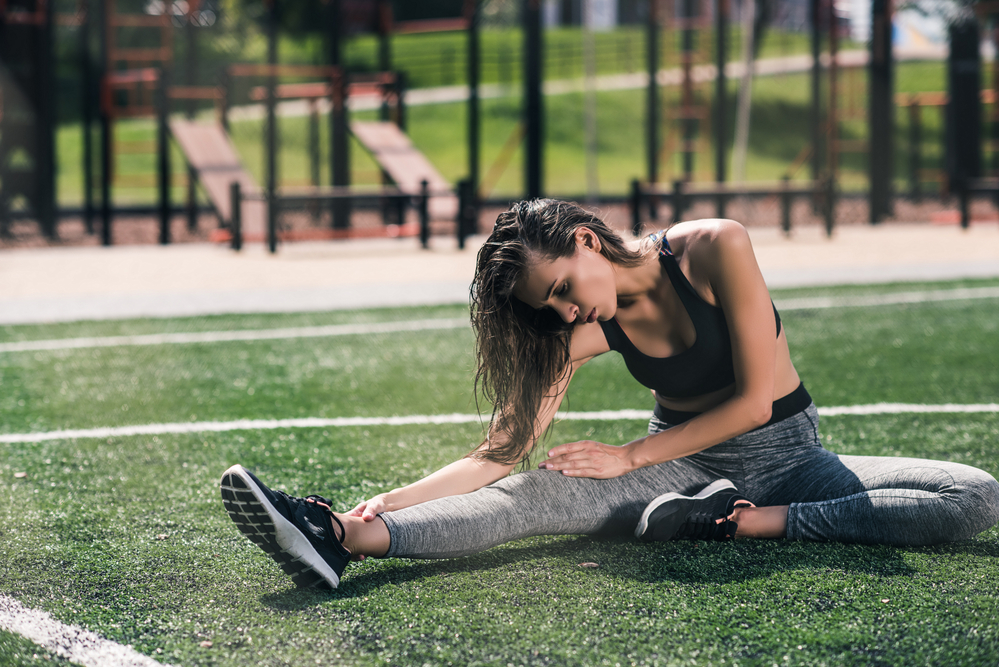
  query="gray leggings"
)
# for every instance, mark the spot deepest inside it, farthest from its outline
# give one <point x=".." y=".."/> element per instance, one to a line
<point x="862" y="499"/>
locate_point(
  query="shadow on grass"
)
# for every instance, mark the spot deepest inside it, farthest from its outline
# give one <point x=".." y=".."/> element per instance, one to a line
<point x="675" y="562"/>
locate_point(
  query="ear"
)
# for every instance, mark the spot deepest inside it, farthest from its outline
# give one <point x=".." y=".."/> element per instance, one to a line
<point x="586" y="238"/>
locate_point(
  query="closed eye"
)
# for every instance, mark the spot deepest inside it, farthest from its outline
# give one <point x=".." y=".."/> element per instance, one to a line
<point x="562" y="289"/>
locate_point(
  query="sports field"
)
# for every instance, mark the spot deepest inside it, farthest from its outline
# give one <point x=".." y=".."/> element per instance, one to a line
<point x="113" y="436"/>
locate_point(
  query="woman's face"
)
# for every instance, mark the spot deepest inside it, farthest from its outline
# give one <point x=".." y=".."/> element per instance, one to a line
<point x="580" y="288"/>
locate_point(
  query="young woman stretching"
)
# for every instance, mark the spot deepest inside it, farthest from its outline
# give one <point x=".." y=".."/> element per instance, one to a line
<point x="689" y="311"/>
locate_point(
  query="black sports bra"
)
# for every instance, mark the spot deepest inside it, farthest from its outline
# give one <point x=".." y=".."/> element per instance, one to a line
<point x="705" y="366"/>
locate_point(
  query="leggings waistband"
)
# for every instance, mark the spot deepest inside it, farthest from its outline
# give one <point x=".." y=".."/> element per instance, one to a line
<point x="784" y="407"/>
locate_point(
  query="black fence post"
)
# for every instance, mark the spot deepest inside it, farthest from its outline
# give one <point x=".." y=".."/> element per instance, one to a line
<point x="678" y="204"/>
<point x="314" y="156"/>
<point x="830" y="204"/>
<point x="465" y="195"/>
<point x="163" y="154"/>
<point x="785" y="206"/>
<point x="424" y="209"/>
<point x="964" y="197"/>
<point x="636" y="207"/>
<point x="236" y="215"/>
<point x="915" y="151"/>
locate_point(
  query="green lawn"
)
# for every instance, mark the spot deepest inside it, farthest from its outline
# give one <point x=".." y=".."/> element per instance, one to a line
<point x="127" y="537"/>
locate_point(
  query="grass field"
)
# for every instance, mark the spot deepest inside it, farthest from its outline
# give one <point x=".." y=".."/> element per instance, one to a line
<point x="126" y="535"/>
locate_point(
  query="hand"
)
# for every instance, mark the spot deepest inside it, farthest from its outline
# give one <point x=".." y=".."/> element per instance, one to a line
<point x="369" y="509"/>
<point x="587" y="458"/>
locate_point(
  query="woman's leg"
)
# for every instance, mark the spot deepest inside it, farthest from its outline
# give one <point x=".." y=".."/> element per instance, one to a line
<point x="536" y="502"/>
<point x="871" y="499"/>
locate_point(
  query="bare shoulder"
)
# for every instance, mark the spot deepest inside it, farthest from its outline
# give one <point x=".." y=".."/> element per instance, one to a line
<point x="709" y="245"/>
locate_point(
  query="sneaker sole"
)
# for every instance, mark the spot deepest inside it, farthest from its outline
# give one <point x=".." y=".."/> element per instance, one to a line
<point x="260" y="521"/>
<point x="710" y="489"/>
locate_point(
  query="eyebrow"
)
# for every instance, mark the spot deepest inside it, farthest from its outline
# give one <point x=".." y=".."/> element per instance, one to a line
<point x="551" y="288"/>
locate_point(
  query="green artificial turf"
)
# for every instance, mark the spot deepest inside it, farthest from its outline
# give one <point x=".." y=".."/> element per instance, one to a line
<point x="127" y="537"/>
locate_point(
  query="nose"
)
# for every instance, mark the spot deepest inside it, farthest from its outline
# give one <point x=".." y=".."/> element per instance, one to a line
<point x="569" y="313"/>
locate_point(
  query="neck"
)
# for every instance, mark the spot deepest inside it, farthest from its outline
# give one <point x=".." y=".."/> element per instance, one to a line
<point x="632" y="282"/>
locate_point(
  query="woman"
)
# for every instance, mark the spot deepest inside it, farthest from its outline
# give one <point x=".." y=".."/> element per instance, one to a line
<point x="691" y="314"/>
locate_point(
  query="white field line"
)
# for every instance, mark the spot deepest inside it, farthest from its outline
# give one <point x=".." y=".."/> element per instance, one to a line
<point x="68" y="641"/>
<point x="408" y="420"/>
<point x="243" y="335"/>
<point x="810" y="303"/>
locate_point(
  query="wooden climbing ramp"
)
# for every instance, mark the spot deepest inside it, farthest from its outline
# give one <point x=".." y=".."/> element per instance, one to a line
<point x="406" y="166"/>
<point x="210" y="152"/>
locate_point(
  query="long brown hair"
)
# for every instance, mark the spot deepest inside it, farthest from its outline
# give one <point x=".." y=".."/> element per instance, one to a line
<point x="522" y="352"/>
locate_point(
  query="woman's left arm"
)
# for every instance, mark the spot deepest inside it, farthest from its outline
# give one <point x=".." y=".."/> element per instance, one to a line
<point x="723" y="256"/>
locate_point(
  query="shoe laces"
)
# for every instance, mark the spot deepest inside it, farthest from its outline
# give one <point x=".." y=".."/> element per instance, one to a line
<point x="321" y="503"/>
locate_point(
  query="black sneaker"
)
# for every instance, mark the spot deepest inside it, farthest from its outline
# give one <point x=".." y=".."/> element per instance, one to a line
<point x="296" y="532"/>
<point x="672" y="516"/>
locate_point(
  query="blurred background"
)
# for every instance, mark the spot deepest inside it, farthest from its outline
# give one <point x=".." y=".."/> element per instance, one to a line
<point x="125" y="121"/>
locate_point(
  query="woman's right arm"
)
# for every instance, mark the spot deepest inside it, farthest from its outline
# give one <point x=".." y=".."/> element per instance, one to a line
<point x="472" y="473"/>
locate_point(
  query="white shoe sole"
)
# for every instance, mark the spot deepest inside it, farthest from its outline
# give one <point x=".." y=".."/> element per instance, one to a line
<point x="710" y="489"/>
<point x="260" y="521"/>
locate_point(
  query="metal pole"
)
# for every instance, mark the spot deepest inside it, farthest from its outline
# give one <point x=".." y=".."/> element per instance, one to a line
<point x="190" y="75"/>
<point x="314" y="157"/>
<point x="87" y="77"/>
<point x="816" y="81"/>
<point x="652" y="96"/>
<point x="272" y="142"/>
<point x="881" y="127"/>
<point x="236" y="215"/>
<point x="45" y="123"/>
<point x="687" y="62"/>
<point x="678" y="203"/>
<point x="832" y="150"/>
<point x="533" y="102"/>
<point x="384" y="47"/>
<point x="106" y="129"/>
<point x="339" y="139"/>
<point x="915" y="151"/>
<point x="785" y="205"/>
<point x="163" y="154"/>
<point x="721" y="98"/>
<point x="424" y="209"/>
<point x="473" y="97"/>
<point x="636" y="207"/>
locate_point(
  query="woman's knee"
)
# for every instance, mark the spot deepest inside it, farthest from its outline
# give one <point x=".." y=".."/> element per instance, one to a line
<point x="979" y="499"/>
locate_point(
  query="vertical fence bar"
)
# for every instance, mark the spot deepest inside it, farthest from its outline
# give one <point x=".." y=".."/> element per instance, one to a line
<point x="915" y="150"/>
<point x="464" y="225"/>
<point x="533" y="99"/>
<point x="103" y="20"/>
<point x="236" y="215"/>
<point x="190" y="77"/>
<point x="272" y="129"/>
<point x="163" y="153"/>
<point x="424" y="209"/>
<point x="785" y="205"/>
<point x="678" y="200"/>
<point x="964" y="198"/>
<point x="473" y="97"/>
<point x="87" y="109"/>
<point x="830" y="203"/>
<point x="652" y="104"/>
<point x="314" y="157"/>
<point x="636" y="207"/>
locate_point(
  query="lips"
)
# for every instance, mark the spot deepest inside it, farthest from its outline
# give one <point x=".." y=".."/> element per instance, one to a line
<point x="592" y="317"/>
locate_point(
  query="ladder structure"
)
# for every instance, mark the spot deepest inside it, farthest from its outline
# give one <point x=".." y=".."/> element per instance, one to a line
<point x="27" y="142"/>
<point x="687" y="116"/>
